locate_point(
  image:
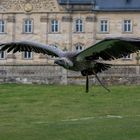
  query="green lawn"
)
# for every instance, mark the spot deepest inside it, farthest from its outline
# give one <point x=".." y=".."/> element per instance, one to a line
<point x="41" y="112"/>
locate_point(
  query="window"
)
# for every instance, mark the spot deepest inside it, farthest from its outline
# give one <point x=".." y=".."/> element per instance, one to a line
<point x="79" y="47"/>
<point x="104" y="26"/>
<point x="127" y="26"/>
<point x="27" y="55"/>
<point x="28" y="26"/>
<point x="54" y="26"/>
<point x="2" y="26"/>
<point x="127" y="57"/>
<point x="79" y="25"/>
<point x="2" y="55"/>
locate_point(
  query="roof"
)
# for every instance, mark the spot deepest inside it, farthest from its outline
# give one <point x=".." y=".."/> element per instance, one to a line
<point x="117" y="5"/>
<point x="73" y="2"/>
<point x="106" y="5"/>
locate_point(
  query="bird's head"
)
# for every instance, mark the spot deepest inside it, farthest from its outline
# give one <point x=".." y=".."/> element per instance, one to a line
<point x="64" y="62"/>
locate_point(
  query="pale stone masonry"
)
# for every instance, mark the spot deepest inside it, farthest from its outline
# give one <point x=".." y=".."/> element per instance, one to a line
<point x="42" y="12"/>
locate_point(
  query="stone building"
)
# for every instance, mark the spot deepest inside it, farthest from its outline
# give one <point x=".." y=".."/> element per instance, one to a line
<point x="67" y="24"/>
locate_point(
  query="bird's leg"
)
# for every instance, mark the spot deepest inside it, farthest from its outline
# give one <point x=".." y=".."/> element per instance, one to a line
<point x="101" y="82"/>
<point x="87" y="83"/>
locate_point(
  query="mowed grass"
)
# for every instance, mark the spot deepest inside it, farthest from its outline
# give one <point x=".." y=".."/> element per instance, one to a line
<point x="42" y="112"/>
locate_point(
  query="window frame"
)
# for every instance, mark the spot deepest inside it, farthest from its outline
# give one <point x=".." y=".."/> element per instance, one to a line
<point x="79" y="25"/>
<point x="2" y="53"/>
<point x="79" y="47"/>
<point x="28" y="27"/>
<point x="54" y="26"/>
<point x="2" y="26"/>
<point x="104" y="26"/>
<point x="128" y="57"/>
<point x="26" y="55"/>
<point x="127" y="27"/>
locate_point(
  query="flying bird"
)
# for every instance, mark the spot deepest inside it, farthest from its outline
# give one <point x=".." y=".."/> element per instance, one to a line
<point x="88" y="61"/>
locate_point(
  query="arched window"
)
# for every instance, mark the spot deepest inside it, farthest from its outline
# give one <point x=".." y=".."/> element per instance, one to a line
<point x="79" y="47"/>
<point x="54" y="26"/>
<point x="2" y="26"/>
<point x="79" y="25"/>
<point x="127" y="57"/>
<point x="28" y="26"/>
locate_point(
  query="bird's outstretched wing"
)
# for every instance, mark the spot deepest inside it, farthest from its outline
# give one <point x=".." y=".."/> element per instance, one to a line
<point x="110" y="48"/>
<point x="31" y="47"/>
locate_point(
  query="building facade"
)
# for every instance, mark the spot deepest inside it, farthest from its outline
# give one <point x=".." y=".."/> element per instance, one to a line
<point x="68" y="24"/>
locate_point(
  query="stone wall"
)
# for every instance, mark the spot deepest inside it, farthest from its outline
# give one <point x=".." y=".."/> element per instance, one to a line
<point x="52" y="74"/>
<point x="40" y="74"/>
<point x="116" y="75"/>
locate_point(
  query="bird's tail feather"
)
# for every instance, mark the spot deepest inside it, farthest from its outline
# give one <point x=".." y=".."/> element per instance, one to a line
<point x="99" y="67"/>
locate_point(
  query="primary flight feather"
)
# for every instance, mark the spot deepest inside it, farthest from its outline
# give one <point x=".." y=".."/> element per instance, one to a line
<point x="85" y="61"/>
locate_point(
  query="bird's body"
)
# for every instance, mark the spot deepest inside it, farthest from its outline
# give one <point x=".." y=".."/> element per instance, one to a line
<point x="74" y="65"/>
<point x="86" y="61"/>
<point x="69" y="61"/>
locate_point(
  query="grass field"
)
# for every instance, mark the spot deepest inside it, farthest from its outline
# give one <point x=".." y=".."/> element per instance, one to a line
<point x="41" y="112"/>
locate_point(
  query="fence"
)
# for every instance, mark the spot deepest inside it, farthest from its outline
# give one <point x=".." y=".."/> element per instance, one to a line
<point x="53" y="74"/>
